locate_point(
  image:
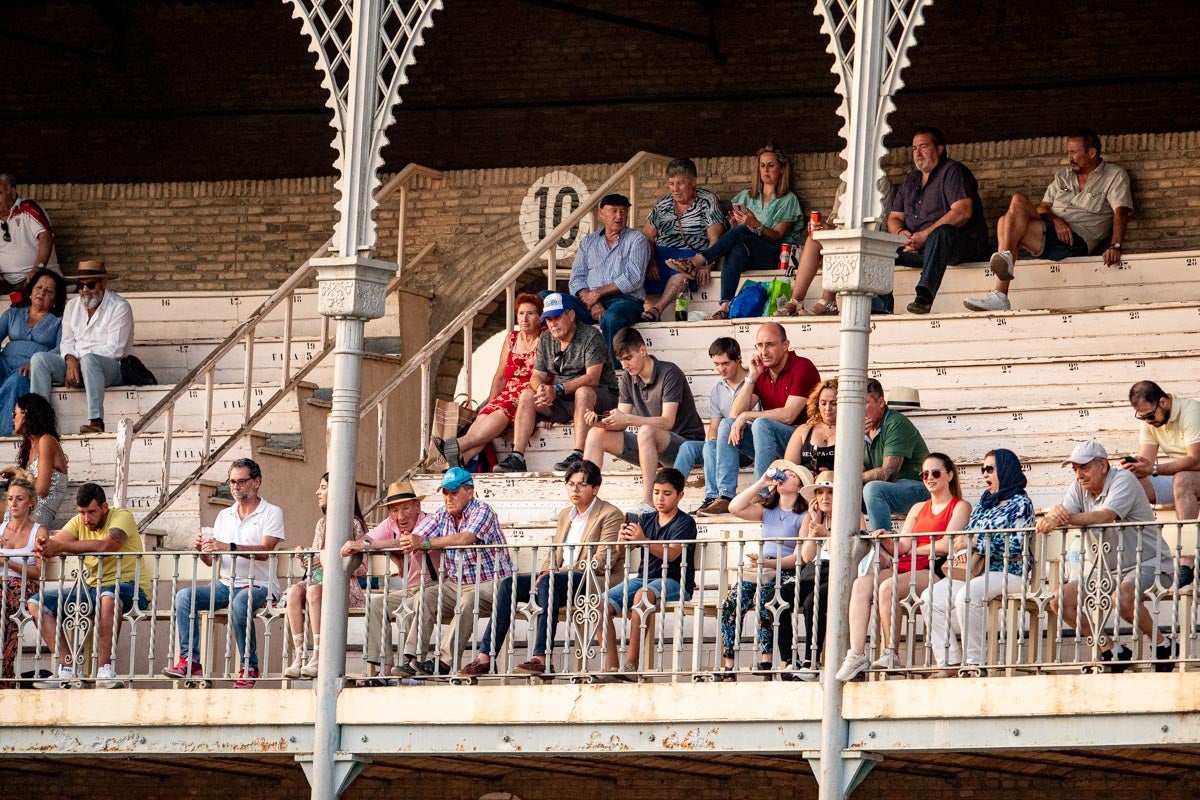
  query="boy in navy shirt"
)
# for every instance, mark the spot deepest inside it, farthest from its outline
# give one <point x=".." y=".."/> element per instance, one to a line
<point x="668" y="570"/>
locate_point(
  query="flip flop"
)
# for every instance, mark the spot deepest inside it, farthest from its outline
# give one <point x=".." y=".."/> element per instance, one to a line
<point x="651" y="314"/>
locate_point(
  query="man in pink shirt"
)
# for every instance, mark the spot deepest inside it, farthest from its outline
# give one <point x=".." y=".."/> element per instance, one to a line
<point x="414" y="569"/>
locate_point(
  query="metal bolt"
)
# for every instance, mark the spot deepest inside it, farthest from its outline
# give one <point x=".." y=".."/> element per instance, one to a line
<point x="800" y="735"/>
<point x="870" y="734"/>
<point x="650" y="738"/>
<point x="1016" y="731"/>
<point x="1164" y="730"/>
<point x="364" y="738"/>
<point x="292" y="739"/>
<point x="507" y="738"/>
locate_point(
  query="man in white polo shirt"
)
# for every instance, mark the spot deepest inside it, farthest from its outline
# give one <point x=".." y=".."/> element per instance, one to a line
<point x="244" y="535"/>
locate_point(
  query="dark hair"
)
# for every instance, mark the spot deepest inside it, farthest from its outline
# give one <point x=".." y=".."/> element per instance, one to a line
<point x="591" y="472"/>
<point x="874" y="388"/>
<point x="682" y="166"/>
<point x="939" y="138"/>
<point x="358" y="515"/>
<point x="726" y="346"/>
<point x="672" y="476"/>
<point x="246" y="463"/>
<point x="626" y="341"/>
<point x="60" y="290"/>
<point x="40" y="420"/>
<point x="528" y="297"/>
<point x="948" y="464"/>
<point x="89" y="493"/>
<point x="1091" y="139"/>
<point x="1146" y="392"/>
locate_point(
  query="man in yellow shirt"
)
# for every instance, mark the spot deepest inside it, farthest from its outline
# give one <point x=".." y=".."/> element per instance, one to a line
<point x="95" y="532"/>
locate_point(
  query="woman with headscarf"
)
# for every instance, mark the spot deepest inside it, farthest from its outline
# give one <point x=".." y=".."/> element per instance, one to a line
<point x="987" y="564"/>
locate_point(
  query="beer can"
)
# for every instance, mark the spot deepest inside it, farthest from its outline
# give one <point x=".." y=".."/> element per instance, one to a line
<point x="785" y="256"/>
<point x="814" y="219"/>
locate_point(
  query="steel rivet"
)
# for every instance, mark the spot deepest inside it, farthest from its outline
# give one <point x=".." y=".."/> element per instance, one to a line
<point x="650" y="738"/>
<point x="800" y="735"/>
<point x="871" y="735"/>
<point x="364" y="738"/>
<point x="1164" y="729"/>
<point x="292" y="739"/>
<point x="508" y="738"/>
<point x="1016" y="731"/>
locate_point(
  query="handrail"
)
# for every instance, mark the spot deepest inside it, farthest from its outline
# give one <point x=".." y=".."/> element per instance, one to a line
<point x="245" y="332"/>
<point x="421" y="358"/>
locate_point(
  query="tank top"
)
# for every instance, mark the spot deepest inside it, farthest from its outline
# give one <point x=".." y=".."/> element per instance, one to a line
<point x="927" y="522"/>
<point x="815" y="458"/>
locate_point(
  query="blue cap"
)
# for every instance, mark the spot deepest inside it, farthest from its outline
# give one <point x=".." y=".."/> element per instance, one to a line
<point x="554" y="305"/>
<point x="456" y="478"/>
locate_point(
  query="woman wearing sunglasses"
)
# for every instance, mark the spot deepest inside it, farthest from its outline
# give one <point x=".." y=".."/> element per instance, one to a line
<point x="781" y="514"/>
<point x="909" y="569"/>
<point x="985" y="565"/>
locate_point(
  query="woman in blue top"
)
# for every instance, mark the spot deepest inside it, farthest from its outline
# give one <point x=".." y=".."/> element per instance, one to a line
<point x="781" y="515"/>
<point x="996" y="561"/>
<point x="33" y="325"/>
<point x="763" y="218"/>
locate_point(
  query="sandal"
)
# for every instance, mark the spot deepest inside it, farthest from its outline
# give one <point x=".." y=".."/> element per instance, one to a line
<point x="684" y="266"/>
<point x="651" y="314"/>
<point x="824" y="309"/>
<point x="789" y="309"/>
<point x="720" y="313"/>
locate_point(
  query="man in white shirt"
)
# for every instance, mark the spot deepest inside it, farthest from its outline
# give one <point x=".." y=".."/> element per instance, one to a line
<point x="26" y="238"/>
<point x="245" y="534"/>
<point x="97" y="332"/>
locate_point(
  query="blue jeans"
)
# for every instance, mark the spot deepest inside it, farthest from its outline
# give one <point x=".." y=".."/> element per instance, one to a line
<point x="728" y="460"/>
<point x="46" y="369"/>
<point x="191" y="601"/>
<point x="86" y="596"/>
<point x="881" y="499"/>
<point x="742" y="249"/>
<point x="518" y="588"/>
<point x="620" y="311"/>
<point x="665" y="590"/>
<point x="770" y="442"/>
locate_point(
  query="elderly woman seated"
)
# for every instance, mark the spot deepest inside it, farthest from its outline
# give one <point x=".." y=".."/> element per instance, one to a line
<point x="32" y="325"/>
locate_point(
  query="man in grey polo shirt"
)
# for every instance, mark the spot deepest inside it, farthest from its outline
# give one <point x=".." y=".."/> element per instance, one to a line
<point x="654" y="398"/>
<point x="1125" y="560"/>
<point x="572" y="375"/>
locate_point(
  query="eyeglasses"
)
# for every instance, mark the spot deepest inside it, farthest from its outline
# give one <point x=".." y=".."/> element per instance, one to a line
<point x="1146" y="417"/>
<point x="240" y="481"/>
<point x="926" y="474"/>
<point x="89" y="285"/>
<point x="987" y="469"/>
<point x="578" y="485"/>
<point x="7" y="235"/>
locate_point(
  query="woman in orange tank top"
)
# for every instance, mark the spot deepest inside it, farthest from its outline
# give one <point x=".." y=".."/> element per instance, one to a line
<point x="905" y="573"/>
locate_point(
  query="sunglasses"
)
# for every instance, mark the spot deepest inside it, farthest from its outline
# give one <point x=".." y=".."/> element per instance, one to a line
<point x="926" y="474"/>
<point x="7" y="235"/>
<point x="1143" y="417"/>
<point x="89" y="285"/>
<point x="987" y="469"/>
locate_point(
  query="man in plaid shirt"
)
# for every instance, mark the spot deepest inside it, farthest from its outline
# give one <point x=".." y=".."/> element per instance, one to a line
<point x="468" y="576"/>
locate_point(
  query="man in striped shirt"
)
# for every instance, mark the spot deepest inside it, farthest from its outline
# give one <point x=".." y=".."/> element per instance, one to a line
<point x="608" y="276"/>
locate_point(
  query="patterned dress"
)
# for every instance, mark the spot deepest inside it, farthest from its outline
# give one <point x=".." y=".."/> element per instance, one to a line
<point x="316" y="574"/>
<point x="517" y="372"/>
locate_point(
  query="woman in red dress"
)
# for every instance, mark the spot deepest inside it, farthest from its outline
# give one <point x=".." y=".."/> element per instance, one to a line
<point x="511" y="378"/>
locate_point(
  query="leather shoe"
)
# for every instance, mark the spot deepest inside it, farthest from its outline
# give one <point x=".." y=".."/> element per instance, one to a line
<point x="90" y="428"/>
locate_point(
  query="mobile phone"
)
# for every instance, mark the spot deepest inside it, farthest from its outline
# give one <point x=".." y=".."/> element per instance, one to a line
<point x="740" y="206"/>
<point x="1130" y="459"/>
<point x="631" y="517"/>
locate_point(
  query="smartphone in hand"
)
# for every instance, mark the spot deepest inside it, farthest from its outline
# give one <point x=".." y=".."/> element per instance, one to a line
<point x="1129" y="459"/>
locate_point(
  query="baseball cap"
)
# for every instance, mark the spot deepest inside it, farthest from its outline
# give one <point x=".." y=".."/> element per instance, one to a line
<point x="553" y="305"/>
<point x="615" y="200"/>
<point x="456" y="478"/>
<point x="1086" y="452"/>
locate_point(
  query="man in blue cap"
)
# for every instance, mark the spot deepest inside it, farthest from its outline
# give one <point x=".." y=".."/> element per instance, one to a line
<point x="609" y="272"/>
<point x="468" y="576"/>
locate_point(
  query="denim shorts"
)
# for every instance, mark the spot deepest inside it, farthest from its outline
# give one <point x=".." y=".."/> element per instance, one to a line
<point x="1053" y="248"/>
<point x="82" y="593"/>
<point x="664" y="589"/>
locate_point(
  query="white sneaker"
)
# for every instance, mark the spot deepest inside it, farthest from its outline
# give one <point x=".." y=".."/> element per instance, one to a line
<point x="1002" y="264"/>
<point x="806" y="672"/>
<point x="853" y="665"/>
<point x="106" y="678"/>
<point x="886" y="660"/>
<point x="993" y="301"/>
<point x="65" y="676"/>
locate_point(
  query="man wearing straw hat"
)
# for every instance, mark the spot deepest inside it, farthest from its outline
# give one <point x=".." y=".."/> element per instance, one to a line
<point x="415" y="569"/>
<point x="97" y="332"/>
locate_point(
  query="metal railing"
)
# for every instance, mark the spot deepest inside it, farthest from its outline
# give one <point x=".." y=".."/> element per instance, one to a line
<point x="740" y="619"/>
<point x="464" y="321"/>
<point x="247" y="334"/>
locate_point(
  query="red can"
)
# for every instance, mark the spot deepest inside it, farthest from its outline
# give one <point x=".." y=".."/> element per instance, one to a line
<point x="785" y="256"/>
<point x="814" y="219"/>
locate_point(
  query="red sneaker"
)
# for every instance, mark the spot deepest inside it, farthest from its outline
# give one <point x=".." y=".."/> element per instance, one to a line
<point x="184" y="668"/>
<point x="246" y="678"/>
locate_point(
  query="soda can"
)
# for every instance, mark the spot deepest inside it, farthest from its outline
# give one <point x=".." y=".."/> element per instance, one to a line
<point x="776" y="474"/>
<point x="785" y="256"/>
<point x="814" y="219"/>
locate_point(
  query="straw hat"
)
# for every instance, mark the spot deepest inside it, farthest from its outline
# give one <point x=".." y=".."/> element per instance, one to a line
<point x="90" y="269"/>
<point x="824" y="481"/>
<point x="904" y="398"/>
<point x="401" y="492"/>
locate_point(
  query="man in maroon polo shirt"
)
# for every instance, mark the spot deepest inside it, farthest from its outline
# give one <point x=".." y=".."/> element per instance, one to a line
<point x="780" y="382"/>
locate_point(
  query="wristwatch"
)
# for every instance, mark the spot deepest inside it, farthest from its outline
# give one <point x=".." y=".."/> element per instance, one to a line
<point x="1116" y="245"/>
<point x="1154" y="471"/>
<point x="233" y="547"/>
<point x="426" y="544"/>
<point x="558" y="388"/>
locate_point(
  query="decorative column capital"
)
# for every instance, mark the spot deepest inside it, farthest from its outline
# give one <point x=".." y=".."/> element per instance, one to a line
<point x="352" y="287"/>
<point x="858" y="261"/>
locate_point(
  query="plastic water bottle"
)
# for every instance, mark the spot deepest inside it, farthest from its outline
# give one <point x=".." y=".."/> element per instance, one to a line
<point x="682" y="303"/>
<point x="1074" y="557"/>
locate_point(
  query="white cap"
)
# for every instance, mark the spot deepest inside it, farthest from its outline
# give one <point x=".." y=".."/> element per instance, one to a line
<point x="1086" y="453"/>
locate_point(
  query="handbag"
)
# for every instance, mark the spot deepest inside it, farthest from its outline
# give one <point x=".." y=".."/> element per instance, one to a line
<point x="135" y="373"/>
<point x="451" y="418"/>
<point x="779" y="291"/>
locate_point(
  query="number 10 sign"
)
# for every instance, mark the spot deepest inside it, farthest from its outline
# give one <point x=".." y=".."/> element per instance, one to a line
<point x="551" y="199"/>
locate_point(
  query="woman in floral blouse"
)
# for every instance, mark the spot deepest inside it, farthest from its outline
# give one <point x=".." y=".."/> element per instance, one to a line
<point x="996" y="560"/>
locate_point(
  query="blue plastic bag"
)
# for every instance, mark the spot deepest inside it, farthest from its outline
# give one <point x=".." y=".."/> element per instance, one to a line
<point x="749" y="302"/>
